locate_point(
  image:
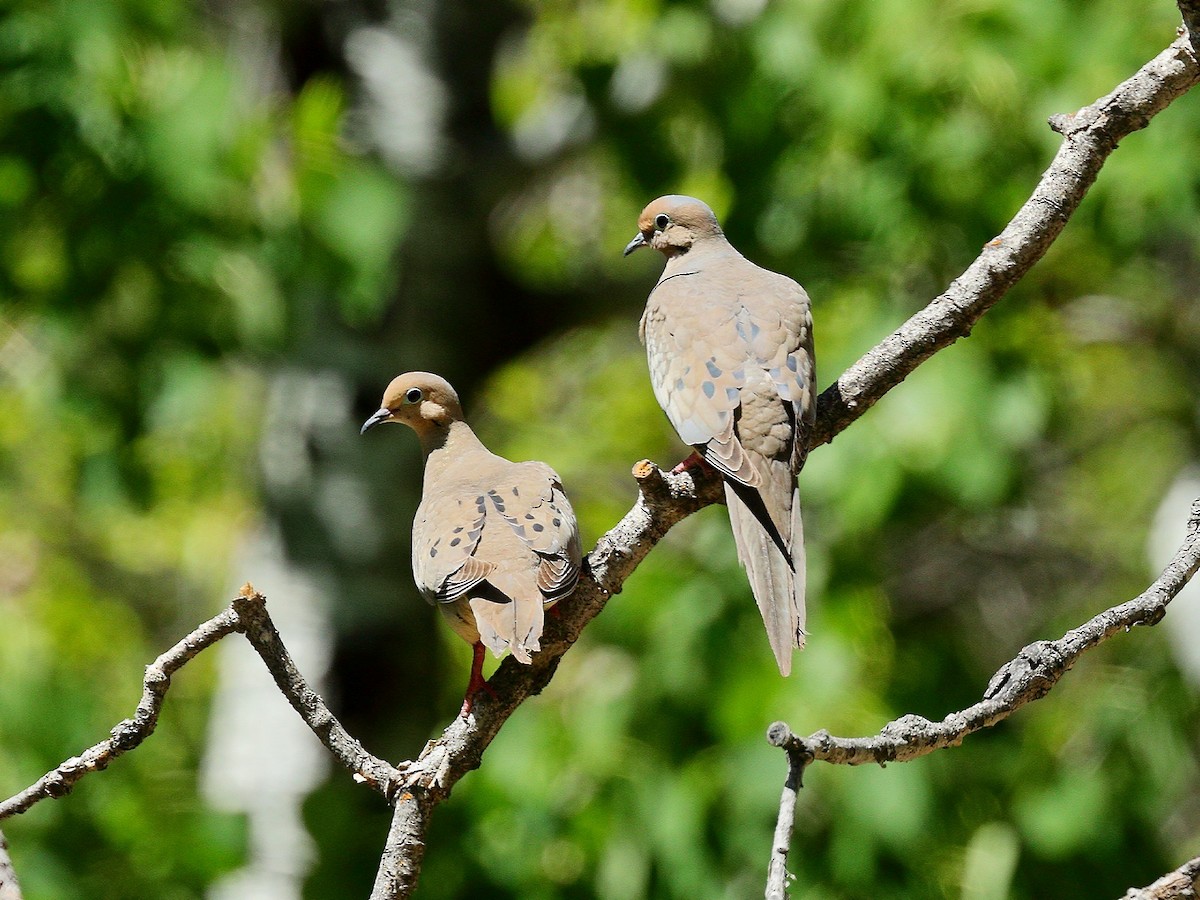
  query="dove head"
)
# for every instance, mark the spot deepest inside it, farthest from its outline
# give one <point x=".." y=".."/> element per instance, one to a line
<point x="673" y="223"/>
<point x="422" y="401"/>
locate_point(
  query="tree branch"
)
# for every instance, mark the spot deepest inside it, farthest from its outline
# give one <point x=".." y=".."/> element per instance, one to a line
<point x="1028" y="677"/>
<point x="1089" y="136"/>
<point x="248" y="615"/>
<point x="10" y="889"/>
<point x="1178" y="885"/>
<point x="777" y="873"/>
<point x="130" y="732"/>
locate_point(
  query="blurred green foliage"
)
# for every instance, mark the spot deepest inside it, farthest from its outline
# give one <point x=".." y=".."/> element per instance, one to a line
<point x="182" y="220"/>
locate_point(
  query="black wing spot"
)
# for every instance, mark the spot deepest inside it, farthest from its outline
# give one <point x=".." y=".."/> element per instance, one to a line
<point x="538" y="526"/>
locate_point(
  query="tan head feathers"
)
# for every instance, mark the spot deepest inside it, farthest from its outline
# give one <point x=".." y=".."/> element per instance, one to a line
<point x="418" y="399"/>
<point x="673" y="223"/>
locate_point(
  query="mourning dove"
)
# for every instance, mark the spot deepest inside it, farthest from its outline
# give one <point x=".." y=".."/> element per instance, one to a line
<point x="494" y="542"/>
<point x="731" y="361"/>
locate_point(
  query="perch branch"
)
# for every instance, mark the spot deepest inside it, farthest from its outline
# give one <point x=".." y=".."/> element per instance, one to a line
<point x="1089" y="137"/>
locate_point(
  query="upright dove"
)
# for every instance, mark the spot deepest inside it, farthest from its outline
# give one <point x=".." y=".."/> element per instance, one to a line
<point x="494" y="543"/>
<point x="731" y="360"/>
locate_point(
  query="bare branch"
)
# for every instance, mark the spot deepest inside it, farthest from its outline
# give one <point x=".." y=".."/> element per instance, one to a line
<point x="10" y="889"/>
<point x="1178" y="885"/>
<point x="131" y="732"/>
<point x="260" y="631"/>
<point x="1030" y="676"/>
<point x="1089" y="136"/>
<point x="777" y="874"/>
<point x="247" y="614"/>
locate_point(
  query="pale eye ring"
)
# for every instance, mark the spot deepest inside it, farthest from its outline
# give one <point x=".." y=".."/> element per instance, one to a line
<point x="661" y="221"/>
<point x="413" y="395"/>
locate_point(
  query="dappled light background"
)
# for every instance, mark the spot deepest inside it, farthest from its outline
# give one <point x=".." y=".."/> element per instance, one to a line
<point x="224" y="226"/>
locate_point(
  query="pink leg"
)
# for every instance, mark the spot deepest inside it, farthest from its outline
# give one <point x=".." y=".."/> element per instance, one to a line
<point x="695" y="461"/>
<point x="477" y="681"/>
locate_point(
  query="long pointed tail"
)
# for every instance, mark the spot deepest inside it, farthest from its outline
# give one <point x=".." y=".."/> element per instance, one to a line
<point x="776" y="581"/>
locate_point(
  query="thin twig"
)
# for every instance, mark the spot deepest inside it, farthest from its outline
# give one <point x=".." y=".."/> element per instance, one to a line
<point x="260" y="631"/>
<point x="10" y="888"/>
<point x="131" y="732"/>
<point x="248" y="615"/>
<point x="779" y="735"/>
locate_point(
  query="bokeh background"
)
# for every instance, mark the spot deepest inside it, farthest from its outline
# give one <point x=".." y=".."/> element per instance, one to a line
<point x="225" y="225"/>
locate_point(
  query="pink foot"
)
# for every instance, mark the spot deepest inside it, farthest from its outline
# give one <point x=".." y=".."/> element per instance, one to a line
<point x="477" y="683"/>
<point x="695" y="461"/>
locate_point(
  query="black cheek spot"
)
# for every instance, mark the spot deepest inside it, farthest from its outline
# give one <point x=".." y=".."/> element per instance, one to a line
<point x="557" y="522"/>
<point x="539" y="527"/>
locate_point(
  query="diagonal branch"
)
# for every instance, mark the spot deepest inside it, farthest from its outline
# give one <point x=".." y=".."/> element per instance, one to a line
<point x="1089" y="136"/>
<point x="1030" y="676"/>
<point x="131" y="732"/>
<point x="1178" y="885"/>
<point x="248" y="615"/>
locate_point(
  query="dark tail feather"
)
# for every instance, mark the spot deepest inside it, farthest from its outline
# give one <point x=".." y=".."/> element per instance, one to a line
<point x="776" y="576"/>
<point x="754" y="502"/>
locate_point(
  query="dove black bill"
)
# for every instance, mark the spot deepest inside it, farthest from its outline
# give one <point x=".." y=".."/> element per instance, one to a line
<point x="639" y="241"/>
<point x="381" y="415"/>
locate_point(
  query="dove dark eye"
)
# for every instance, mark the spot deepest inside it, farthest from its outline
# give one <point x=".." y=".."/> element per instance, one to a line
<point x="661" y="221"/>
<point x="413" y="395"/>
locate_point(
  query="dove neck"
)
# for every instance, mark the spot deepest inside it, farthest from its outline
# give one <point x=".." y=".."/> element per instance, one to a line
<point x="444" y="442"/>
<point x="705" y="249"/>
